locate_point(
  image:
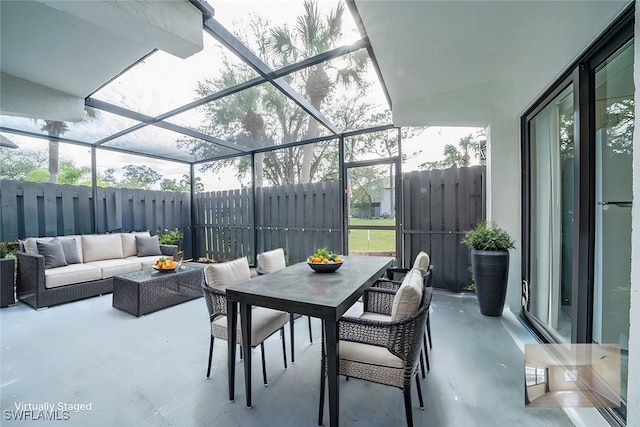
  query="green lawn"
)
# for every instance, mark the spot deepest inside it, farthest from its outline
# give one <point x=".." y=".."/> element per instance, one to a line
<point x="372" y="240"/>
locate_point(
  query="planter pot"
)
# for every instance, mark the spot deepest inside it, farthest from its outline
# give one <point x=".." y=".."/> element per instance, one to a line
<point x="490" y="273"/>
<point x="7" y="294"/>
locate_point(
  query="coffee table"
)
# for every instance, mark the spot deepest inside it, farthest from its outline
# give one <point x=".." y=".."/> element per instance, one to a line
<point x="146" y="291"/>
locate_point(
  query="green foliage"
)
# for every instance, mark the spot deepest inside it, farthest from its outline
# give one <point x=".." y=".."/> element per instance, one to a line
<point x="457" y="156"/>
<point x="139" y="176"/>
<point x="4" y="249"/>
<point x="488" y="237"/>
<point x="170" y="237"/>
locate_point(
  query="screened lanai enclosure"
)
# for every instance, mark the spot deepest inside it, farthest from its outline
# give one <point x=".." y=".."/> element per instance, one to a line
<point x="277" y="133"/>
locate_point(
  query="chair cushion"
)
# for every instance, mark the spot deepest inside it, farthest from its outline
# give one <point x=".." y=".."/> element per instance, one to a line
<point x="52" y="252"/>
<point x="113" y="267"/>
<point x="369" y="354"/>
<point x="408" y="297"/>
<point x="271" y="261"/>
<point x="129" y="247"/>
<point x="375" y="316"/>
<point x="70" y="249"/>
<point x="97" y="247"/>
<point x="70" y="274"/>
<point x="225" y="274"/>
<point x="30" y="244"/>
<point x="148" y="246"/>
<point x="264" y="322"/>
<point x="422" y="261"/>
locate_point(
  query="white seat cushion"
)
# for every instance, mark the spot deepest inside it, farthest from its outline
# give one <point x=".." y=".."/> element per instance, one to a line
<point x="264" y="322"/>
<point x="225" y="274"/>
<point x="145" y="261"/>
<point x="369" y="355"/>
<point x="375" y="316"/>
<point x="70" y="274"/>
<point x="422" y="261"/>
<point x="97" y="247"/>
<point x="271" y="261"/>
<point x="408" y="297"/>
<point x="113" y="267"/>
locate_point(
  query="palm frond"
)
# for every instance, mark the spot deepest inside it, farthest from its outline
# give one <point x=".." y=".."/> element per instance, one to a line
<point x="283" y="44"/>
<point x="309" y="28"/>
<point x="334" y="23"/>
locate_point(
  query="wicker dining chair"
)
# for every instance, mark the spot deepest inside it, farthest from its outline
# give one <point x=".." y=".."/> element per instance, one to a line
<point x="393" y="280"/>
<point x="384" y="352"/>
<point x="264" y="321"/>
<point x="269" y="262"/>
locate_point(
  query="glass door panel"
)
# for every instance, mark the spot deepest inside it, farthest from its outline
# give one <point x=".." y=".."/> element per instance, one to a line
<point x="371" y="209"/>
<point x="552" y="183"/>
<point x="614" y="125"/>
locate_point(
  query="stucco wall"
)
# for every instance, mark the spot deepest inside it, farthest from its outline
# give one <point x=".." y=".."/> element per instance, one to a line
<point x="503" y="193"/>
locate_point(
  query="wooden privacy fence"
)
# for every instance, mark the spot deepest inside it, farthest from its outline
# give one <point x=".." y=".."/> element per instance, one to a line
<point x="440" y="206"/>
<point x="298" y="218"/>
<point x="29" y="209"/>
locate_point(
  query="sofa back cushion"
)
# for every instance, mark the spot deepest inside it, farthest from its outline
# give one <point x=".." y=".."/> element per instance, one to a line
<point x="408" y="297"/>
<point x="129" y="247"/>
<point x="225" y="274"/>
<point x="29" y="245"/>
<point x="70" y="249"/>
<point x="52" y="252"/>
<point x="148" y="246"/>
<point x="96" y="247"/>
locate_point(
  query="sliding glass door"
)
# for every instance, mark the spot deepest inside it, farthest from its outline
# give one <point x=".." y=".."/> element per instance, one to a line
<point x="613" y="194"/>
<point x="577" y="201"/>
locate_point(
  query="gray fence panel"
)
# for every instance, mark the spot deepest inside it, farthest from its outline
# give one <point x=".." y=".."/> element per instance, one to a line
<point x="439" y="208"/>
<point x="30" y="209"/>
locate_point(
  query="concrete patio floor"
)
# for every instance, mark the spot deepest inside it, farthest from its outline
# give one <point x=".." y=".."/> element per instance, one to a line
<point x="151" y="371"/>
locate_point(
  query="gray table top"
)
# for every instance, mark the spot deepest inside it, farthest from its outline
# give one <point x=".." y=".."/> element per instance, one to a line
<point x="299" y="289"/>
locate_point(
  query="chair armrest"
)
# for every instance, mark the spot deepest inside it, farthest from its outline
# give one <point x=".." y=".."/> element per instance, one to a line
<point x="216" y="301"/>
<point x="260" y="271"/>
<point x="387" y="284"/>
<point x="169" y="250"/>
<point x="391" y="272"/>
<point x="378" y="300"/>
<point x="366" y="331"/>
<point x="30" y="274"/>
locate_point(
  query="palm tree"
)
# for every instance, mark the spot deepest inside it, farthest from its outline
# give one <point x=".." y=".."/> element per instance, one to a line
<point x="54" y="128"/>
<point x="312" y="35"/>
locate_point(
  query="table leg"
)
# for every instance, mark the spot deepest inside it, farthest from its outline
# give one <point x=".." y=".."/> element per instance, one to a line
<point x="245" y="323"/>
<point x="332" y="371"/>
<point x="291" y="333"/>
<point x="232" y="325"/>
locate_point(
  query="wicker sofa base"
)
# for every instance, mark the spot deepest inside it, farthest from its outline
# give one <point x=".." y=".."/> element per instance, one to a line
<point x="64" y="294"/>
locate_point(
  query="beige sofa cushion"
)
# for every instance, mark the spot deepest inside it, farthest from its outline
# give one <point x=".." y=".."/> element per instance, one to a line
<point x="31" y="247"/>
<point x="129" y="242"/>
<point x="145" y="261"/>
<point x="264" y="322"/>
<point x="226" y="274"/>
<point x="408" y="297"/>
<point x="271" y="261"/>
<point x="113" y="267"/>
<point x="70" y="274"/>
<point x="97" y="247"/>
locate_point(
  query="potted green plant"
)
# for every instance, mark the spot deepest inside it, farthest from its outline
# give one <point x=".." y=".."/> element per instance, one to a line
<point x="490" y="262"/>
<point x="7" y="274"/>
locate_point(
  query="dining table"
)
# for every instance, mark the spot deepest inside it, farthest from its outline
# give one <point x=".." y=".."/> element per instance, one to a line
<point x="299" y="289"/>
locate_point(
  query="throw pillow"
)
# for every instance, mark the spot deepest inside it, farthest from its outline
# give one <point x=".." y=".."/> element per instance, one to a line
<point x="53" y="254"/>
<point x="148" y="246"/>
<point x="70" y="250"/>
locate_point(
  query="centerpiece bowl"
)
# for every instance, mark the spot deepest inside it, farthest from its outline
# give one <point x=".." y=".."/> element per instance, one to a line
<point x="325" y="268"/>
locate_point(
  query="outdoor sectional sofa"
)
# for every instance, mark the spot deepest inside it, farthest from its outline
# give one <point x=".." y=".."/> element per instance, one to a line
<point x="93" y="261"/>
